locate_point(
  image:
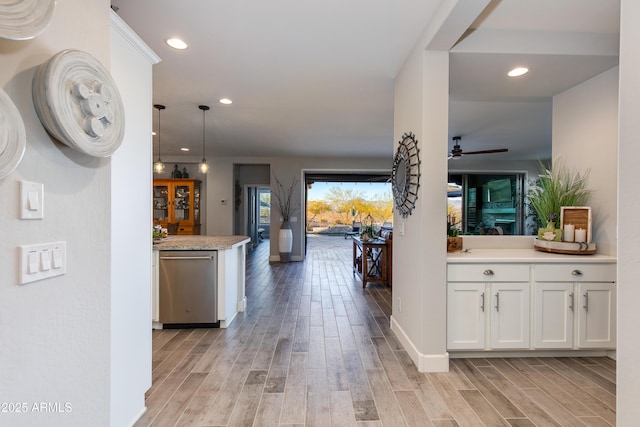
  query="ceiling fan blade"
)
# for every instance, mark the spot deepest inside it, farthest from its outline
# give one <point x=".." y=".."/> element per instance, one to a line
<point x="496" y="150"/>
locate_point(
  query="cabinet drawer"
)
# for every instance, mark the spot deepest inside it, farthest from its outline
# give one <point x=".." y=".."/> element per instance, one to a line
<point x="487" y="273"/>
<point x="189" y="229"/>
<point x="574" y="273"/>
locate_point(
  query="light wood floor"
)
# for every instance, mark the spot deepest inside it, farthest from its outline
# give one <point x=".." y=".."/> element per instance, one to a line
<point x="315" y="349"/>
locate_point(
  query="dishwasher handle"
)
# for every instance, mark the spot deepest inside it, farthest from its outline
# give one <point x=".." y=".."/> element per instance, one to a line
<point x="209" y="257"/>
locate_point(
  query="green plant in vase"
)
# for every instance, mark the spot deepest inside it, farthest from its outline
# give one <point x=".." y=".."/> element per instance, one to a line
<point x="367" y="233"/>
<point x="557" y="187"/>
<point x="452" y="226"/>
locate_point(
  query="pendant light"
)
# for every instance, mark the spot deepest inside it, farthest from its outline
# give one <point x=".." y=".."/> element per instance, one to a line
<point x="158" y="166"/>
<point x="204" y="167"/>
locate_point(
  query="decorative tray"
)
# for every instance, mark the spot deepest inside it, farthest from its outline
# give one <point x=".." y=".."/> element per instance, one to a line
<point x="568" y="248"/>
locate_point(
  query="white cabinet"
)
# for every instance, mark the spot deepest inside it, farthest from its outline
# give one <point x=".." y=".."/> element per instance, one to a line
<point x="465" y="315"/>
<point x="597" y="318"/>
<point x="553" y="315"/>
<point x="574" y="306"/>
<point x="488" y="300"/>
<point x="510" y="315"/>
<point x="536" y="306"/>
<point x="155" y="286"/>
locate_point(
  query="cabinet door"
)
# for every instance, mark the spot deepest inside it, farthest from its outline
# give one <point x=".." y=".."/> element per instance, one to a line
<point x="183" y="203"/>
<point x="465" y="316"/>
<point x="597" y="315"/>
<point x="161" y="202"/>
<point x="510" y="315"/>
<point x="553" y="315"/>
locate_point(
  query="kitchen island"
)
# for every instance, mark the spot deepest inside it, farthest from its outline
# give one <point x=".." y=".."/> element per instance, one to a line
<point x="231" y="255"/>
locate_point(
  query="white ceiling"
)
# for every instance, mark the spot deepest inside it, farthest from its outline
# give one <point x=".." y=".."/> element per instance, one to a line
<point x="315" y="78"/>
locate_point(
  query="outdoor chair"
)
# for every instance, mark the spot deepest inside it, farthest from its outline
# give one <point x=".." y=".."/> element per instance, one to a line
<point x="355" y="229"/>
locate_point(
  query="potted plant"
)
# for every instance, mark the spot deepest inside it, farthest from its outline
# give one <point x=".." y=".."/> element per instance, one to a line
<point x="285" y="208"/>
<point x="454" y="241"/>
<point x="556" y="187"/>
<point x="367" y="233"/>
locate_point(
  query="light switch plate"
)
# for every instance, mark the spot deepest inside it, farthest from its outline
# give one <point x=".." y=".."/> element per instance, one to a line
<point x="31" y="200"/>
<point x="42" y="261"/>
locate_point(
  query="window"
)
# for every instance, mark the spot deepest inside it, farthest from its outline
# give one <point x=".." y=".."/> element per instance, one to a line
<point x="489" y="203"/>
<point x="264" y="199"/>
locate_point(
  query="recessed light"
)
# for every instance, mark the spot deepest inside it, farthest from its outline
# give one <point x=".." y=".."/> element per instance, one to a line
<point x="177" y="44"/>
<point x="225" y="101"/>
<point x="184" y="149"/>
<point x="518" y="71"/>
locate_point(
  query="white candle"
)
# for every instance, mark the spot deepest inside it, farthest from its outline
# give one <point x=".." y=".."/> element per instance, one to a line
<point x="568" y="232"/>
<point x="581" y="235"/>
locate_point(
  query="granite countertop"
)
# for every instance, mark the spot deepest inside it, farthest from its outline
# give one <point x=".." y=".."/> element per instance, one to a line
<point x="522" y="255"/>
<point x="199" y="243"/>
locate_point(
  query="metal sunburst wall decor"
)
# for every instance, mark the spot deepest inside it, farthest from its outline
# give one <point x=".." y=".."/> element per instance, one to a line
<point x="405" y="175"/>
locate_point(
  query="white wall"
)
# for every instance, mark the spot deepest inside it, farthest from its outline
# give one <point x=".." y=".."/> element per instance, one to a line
<point x="419" y="256"/>
<point x="530" y="167"/>
<point x="585" y="132"/>
<point x="628" y="351"/>
<point x="131" y="62"/>
<point x="55" y="333"/>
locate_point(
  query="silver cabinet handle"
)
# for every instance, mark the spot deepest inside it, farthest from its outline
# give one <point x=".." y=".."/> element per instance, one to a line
<point x="586" y="301"/>
<point x="209" y="257"/>
<point x="488" y="272"/>
<point x="482" y="299"/>
<point x="576" y="273"/>
<point x="498" y="301"/>
<point x="571" y="301"/>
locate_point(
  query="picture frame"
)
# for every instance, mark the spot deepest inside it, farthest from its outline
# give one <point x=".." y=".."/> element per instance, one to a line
<point x="579" y="216"/>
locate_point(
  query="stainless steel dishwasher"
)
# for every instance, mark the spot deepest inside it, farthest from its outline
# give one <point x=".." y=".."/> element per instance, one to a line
<point x="189" y="288"/>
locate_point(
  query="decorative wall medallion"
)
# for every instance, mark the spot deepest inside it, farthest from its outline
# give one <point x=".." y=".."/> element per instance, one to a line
<point x="13" y="138"/>
<point x="78" y="103"/>
<point x="24" y="19"/>
<point x="405" y="175"/>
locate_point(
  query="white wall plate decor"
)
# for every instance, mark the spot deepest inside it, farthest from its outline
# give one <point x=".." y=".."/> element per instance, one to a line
<point x="13" y="138"/>
<point x="78" y="103"/>
<point x="24" y="19"/>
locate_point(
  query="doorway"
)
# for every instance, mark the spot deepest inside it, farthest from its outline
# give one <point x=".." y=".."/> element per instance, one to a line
<point x="252" y="201"/>
<point x="333" y="202"/>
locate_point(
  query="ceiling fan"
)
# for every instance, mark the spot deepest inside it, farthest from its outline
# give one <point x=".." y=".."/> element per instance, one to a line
<point x="457" y="152"/>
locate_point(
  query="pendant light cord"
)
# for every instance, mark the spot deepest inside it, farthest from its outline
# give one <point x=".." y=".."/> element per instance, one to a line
<point x="204" y="167"/>
<point x="159" y="107"/>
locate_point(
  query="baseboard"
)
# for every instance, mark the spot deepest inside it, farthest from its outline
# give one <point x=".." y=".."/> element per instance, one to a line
<point x="294" y="258"/>
<point x="139" y="416"/>
<point x="424" y="362"/>
<point x="488" y="354"/>
<point x="242" y="304"/>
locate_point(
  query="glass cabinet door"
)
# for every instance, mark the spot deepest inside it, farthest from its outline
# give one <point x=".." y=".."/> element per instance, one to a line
<point x="196" y="204"/>
<point x="181" y="200"/>
<point x="160" y="203"/>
